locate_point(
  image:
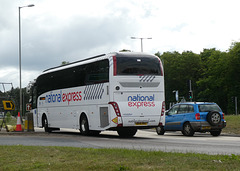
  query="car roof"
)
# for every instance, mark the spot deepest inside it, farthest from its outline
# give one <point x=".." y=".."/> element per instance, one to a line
<point x="197" y="103"/>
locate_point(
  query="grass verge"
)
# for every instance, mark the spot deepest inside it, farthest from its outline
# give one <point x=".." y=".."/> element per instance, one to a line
<point x="71" y="158"/>
<point x="233" y="124"/>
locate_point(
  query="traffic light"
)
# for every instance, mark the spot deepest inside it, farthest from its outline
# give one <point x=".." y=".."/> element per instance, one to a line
<point x="233" y="99"/>
<point x="190" y="94"/>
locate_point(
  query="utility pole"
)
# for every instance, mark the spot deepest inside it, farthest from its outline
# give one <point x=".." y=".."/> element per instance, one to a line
<point x="236" y="105"/>
<point x="141" y="38"/>
<point x="190" y="93"/>
<point x="20" y="56"/>
<point x="234" y="100"/>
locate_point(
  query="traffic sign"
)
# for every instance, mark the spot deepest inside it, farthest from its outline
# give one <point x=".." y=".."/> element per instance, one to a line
<point x="8" y="105"/>
<point x="28" y="106"/>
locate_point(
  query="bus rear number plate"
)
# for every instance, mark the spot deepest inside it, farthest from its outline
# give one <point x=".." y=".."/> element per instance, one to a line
<point x="141" y="123"/>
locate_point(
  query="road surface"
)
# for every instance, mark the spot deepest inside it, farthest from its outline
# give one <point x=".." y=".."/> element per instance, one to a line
<point x="143" y="140"/>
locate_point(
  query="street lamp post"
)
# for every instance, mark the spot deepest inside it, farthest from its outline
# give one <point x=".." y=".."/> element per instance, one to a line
<point x="20" y="65"/>
<point x="141" y="38"/>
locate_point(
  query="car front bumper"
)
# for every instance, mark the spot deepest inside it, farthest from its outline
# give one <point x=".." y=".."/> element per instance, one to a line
<point x="205" y="126"/>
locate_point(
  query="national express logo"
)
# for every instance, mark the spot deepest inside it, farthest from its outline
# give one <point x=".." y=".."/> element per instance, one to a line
<point x="141" y="101"/>
<point x="63" y="97"/>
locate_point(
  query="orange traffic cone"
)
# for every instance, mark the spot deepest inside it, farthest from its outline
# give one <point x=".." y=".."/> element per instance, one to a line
<point x="19" y="125"/>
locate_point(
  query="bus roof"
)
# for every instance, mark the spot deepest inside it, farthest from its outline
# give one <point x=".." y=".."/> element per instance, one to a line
<point x="74" y="62"/>
<point x="120" y="54"/>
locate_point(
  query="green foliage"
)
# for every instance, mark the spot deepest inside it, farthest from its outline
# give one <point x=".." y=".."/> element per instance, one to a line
<point x="64" y="63"/>
<point x="178" y="69"/>
<point x="215" y="75"/>
<point x="8" y="117"/>
<point x="125" y="50"/>
<point x="13" y="95"/>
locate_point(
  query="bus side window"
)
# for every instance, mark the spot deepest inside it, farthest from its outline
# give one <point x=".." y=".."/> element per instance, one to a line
<point x="97" y="72"/>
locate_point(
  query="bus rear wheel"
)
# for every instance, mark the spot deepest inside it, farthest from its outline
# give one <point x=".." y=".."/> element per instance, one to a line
<point x="84" y="127"/>
<point x="127" y="132"/>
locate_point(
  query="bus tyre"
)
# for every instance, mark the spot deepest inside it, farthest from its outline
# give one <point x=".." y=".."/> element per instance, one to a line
<point x="45" y="125"/>
<point x="95" y="133"/>
<point x="160" y="130"/>
<point x="126" y="132"/>
<point x="84" y="127"/>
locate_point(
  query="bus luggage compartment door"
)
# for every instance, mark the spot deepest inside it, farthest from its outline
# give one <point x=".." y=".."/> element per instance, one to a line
<point x="104" y="121"/>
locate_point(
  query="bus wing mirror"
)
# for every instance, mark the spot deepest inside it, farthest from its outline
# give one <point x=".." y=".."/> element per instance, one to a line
<point x="166" y="112"/>
<point x="30" y="99"/>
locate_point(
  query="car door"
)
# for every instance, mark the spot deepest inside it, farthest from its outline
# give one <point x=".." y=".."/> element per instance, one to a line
<point x="170" y="119"/>
<point x="180" y="116"/>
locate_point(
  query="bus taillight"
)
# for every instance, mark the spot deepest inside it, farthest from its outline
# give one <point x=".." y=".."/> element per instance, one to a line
<point x="116" y="108"/>
<point x="114" y="65"/>
<point x="163" y="108"/>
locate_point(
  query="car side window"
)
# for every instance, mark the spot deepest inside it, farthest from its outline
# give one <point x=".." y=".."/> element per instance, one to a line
<point x="173" y="110"/>
<point x="190" y="109"/>
<point x="183" y="109"/>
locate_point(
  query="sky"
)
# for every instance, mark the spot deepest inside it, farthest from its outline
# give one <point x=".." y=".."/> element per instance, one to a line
<point x="54" y="31"/>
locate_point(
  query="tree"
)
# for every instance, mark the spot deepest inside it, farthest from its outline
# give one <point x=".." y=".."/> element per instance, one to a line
<point x="212" y="83"/>
<point x="64" y="63"/>
<point x="125" y="50"/>
<point x="178" y="69"/>
<point x="233" y="74"/>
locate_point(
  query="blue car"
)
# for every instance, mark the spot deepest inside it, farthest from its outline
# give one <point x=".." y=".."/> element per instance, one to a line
<point x="191" y="117"/>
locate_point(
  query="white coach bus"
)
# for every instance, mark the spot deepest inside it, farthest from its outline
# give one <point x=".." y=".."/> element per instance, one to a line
<point x="118" y="91"/>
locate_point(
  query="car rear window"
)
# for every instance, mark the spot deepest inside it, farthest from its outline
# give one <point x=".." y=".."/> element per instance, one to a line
<point x="208" y="108"/>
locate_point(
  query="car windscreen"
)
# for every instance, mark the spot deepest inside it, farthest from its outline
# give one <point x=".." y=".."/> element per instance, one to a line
<point x="208" y="108"/>
<point x="138" y="66"/>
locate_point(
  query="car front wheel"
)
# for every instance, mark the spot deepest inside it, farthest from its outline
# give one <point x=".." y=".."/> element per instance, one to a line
<point x="187" y="130"/>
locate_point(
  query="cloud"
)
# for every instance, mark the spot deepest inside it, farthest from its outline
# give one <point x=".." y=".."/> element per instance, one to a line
<point x="55" y="31"/>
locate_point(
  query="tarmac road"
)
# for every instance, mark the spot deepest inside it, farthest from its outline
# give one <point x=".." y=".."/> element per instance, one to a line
<point x="143" y="140"/>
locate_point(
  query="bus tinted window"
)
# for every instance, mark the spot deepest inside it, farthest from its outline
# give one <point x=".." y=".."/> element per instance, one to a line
<point x="92" y="73"/>
<point x="138" y="66"/>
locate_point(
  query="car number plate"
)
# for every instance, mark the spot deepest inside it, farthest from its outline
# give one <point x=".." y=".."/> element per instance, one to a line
<point x="206" y="127"/>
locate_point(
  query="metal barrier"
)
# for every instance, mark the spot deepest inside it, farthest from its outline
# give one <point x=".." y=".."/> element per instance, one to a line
<point x="29" y="125"/>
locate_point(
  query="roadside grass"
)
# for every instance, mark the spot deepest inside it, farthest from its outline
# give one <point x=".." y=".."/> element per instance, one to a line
<point x="233" y="124"/>
<point x="72" y="158"/>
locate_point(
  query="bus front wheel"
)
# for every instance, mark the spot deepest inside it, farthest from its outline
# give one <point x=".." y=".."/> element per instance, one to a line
<point x="45" y="125"/>
<point x="84" y="127"/>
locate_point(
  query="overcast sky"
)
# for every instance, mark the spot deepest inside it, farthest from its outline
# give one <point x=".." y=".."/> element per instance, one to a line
<point x="68" y="30"/>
